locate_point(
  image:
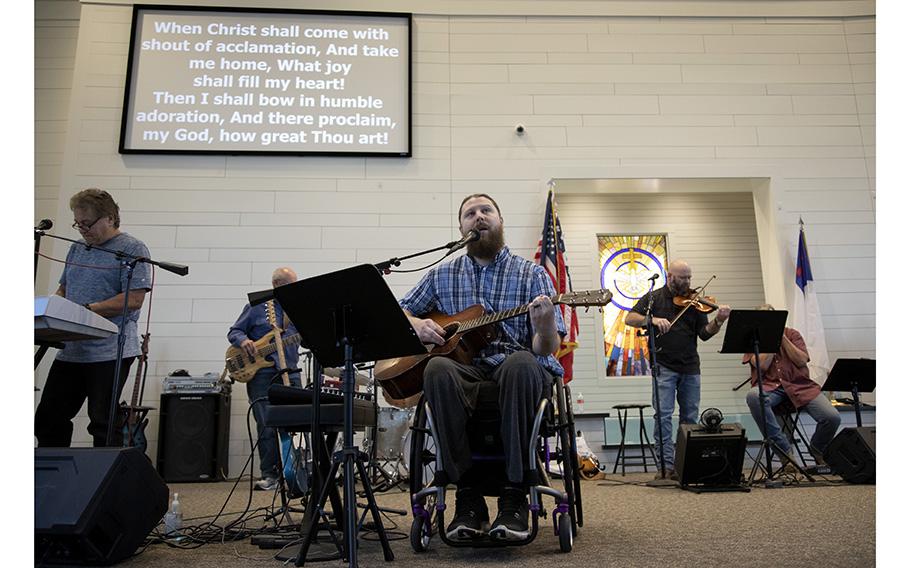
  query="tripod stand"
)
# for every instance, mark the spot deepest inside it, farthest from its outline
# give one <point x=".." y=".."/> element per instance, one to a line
<point x="757" y="332"/>
<point x="345" y="317"/>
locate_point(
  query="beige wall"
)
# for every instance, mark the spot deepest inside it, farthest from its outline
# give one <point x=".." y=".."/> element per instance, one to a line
<point x="787" y="100"/>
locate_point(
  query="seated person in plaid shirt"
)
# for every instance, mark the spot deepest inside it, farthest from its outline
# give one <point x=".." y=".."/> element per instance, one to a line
<point x="520" y="359"/>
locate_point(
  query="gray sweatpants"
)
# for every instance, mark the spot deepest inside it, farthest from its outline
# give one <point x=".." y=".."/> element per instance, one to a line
<point x="451" y="388"/>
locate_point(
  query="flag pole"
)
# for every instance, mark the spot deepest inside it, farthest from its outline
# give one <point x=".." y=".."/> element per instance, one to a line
<point x="551" y="203"/>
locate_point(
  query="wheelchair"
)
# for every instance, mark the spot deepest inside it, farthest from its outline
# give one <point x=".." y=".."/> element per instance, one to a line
<point x="553" y="419"/>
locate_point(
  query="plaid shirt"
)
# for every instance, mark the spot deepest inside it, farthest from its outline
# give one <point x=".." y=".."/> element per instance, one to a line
<point x="509" y="281"/>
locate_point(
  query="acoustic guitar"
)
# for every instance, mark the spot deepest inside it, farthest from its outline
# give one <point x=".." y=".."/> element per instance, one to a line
<point x="466" y="333"/>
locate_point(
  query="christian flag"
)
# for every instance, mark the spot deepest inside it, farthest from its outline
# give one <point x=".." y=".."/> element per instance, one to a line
<point x="551" y="251"/>
<point x="806" y="317"/>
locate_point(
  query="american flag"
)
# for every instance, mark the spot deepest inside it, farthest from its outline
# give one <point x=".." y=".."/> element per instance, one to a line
<point x="551" y="254"/>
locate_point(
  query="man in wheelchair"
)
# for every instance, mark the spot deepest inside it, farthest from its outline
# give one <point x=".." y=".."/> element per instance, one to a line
<point x="519" y="358"/>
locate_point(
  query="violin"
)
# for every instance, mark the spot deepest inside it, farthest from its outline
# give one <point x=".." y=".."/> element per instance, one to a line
<point x="691" y="299"/>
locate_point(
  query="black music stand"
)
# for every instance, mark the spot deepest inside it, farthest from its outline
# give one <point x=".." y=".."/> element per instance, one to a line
<point x="854" y="375"/>
<point x="756" y="332"/>
<point x="346" y="317"/>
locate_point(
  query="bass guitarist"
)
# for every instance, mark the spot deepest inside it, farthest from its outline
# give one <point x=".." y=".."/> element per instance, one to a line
<point x="520" y="359"/>
<point x="252" y="325"/>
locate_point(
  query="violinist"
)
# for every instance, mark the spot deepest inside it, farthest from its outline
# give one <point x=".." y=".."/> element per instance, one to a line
<point x="679" y="373"/>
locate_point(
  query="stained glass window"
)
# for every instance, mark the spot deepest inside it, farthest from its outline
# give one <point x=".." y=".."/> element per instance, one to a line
<point x="626" y="263"/>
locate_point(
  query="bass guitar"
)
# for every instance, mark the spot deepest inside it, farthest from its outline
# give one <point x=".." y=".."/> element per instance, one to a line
<point x="466" y="333"/>
<point x="133" y="416"/>
<point x="242" y="368"/>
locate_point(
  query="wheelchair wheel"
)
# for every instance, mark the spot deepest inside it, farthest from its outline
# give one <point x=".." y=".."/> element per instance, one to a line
<point x="422" y="463"/>
<point x="421" y="475"/>
<point x="565" y="533"/>
<point x="568" y="454"/>
<point x="421" y="532"/>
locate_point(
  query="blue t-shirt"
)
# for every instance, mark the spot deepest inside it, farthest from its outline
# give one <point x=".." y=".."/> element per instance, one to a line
<point x="508" y="282"/>
<point x="92" y="275"/>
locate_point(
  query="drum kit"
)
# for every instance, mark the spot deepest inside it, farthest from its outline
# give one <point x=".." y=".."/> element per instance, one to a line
<point x="391" y="439"/>
<point x="389" y="442"/>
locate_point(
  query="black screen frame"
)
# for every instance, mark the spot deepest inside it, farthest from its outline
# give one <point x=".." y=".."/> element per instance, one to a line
<point x="127" y="89"/>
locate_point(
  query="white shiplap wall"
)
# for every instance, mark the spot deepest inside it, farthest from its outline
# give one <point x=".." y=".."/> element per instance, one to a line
<point x="56" y="30"/>
<point x="788" y="99"/>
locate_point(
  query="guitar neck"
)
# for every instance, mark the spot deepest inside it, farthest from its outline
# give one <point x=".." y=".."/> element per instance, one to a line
<point x="488" y="319"/>
<point x="272" y="347"/>
<point x="142" y="361"/>
<point x="137" y="381"/>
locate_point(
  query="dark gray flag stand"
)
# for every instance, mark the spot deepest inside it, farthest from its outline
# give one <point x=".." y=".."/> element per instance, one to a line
<point x="346" y="317"/>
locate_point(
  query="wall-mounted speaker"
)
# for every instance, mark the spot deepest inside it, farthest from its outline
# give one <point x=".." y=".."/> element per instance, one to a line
<point x="94" y="505"/>
<point x="710" y="458"/>
<point x="193" y="434"/>
<point x="851" y="454"/>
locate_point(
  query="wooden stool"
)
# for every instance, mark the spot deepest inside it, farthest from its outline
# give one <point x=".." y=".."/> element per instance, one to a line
<point x="622" y="413"/>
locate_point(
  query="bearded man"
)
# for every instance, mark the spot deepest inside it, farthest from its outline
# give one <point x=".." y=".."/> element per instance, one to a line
<point x="520" y="360"/>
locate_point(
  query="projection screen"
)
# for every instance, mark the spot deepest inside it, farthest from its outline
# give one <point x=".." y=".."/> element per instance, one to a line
<point x="262" y="81"/>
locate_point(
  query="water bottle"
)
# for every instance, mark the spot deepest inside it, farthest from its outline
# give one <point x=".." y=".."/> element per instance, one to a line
<point x="580" y="404"/>
<point x="173" y="519"/>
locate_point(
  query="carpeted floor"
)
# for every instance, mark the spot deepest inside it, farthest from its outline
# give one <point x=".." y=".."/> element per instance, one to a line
<point x="625" y="525"/>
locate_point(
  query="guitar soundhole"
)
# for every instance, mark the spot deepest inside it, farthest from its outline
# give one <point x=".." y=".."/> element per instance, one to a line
<point x="450" y="330"/>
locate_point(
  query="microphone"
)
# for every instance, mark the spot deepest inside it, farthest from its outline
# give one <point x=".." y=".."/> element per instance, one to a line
<point x="44" y="225"/>
<point x="473" y="235"/>
<point x="178" y="269"/>
<point x="654" y="278"/>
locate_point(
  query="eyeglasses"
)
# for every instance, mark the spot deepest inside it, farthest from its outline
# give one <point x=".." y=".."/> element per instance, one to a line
<point x="83" y="226"/>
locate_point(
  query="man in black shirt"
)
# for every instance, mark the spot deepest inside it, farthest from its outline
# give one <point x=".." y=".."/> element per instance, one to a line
<point x="679" y="374"/>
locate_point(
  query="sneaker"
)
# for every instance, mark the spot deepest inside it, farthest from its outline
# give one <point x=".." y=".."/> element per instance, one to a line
<point x="266" y="484"/>
<point x="789" y="469"/>
<point x="671" y="474"/>
<point x="784" y="455"/>
<point x="471" y="515"/>
<point x="512" y="521"/>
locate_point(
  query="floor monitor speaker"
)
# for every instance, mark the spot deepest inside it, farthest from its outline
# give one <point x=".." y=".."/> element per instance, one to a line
<point x="851" y="454"/>
<point x="94" y="505"/>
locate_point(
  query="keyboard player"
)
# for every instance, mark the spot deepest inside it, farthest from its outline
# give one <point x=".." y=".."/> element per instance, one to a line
<point x="96" y="280"/>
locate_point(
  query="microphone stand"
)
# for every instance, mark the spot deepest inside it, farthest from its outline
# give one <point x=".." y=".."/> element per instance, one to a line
<point x="129" y="261"/>
<point x="655" y="373"/>
<point x="385" y="267"/>
<point x="39" y="232"/>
